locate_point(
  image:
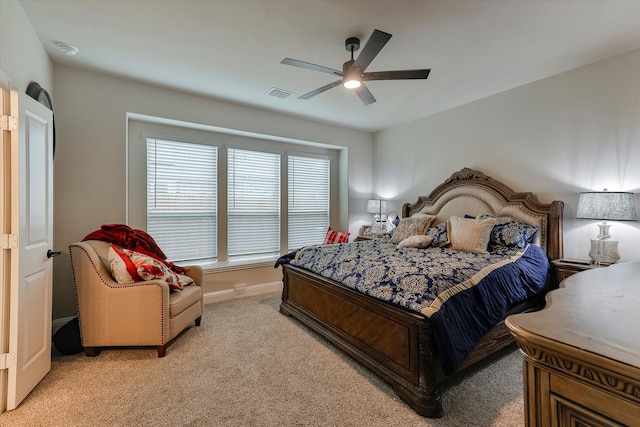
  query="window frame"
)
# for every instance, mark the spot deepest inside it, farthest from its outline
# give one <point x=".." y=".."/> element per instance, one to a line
<point x="141" y="127"/>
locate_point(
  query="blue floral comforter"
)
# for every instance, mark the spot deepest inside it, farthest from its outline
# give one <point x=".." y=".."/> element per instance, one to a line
<point x="464" y="294"/>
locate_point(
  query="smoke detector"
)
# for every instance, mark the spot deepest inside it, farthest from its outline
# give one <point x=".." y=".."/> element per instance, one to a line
<point x="67" y="49"/>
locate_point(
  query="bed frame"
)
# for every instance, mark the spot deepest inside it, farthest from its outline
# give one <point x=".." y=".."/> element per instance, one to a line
<point x="395" y="343"/>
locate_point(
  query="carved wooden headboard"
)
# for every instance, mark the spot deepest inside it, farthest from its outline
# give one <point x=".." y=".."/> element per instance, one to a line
<point x="471" y="192"/>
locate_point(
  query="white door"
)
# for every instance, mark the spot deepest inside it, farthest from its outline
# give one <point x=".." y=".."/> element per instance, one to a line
<point x="31" y="213"/>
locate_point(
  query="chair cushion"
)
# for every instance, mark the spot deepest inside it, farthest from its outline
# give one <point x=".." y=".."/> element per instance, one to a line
<point x="181" y="300"/>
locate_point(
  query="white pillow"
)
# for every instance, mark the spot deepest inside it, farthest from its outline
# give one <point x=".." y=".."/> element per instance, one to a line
<point x="411" y="226"/>
<point x="419" y="241"/>
<point x="470" y="235"/>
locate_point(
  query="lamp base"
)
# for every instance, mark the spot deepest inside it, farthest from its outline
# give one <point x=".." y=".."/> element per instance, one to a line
<point x="379" y="228"/>
<point x="604" y="230"/>
<point x="604" y="251"/>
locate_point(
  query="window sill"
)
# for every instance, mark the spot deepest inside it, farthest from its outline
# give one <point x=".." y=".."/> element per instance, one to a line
<point x="244" y="264"/>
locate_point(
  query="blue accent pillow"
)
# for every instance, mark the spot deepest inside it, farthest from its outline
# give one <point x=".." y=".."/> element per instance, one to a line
<point x="439" y="234"/>
<point x="513" y="234"/>
<point x="510" y="233"/>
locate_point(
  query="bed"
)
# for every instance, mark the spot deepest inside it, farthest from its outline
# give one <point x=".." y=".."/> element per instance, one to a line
<point x="402" y="343"/>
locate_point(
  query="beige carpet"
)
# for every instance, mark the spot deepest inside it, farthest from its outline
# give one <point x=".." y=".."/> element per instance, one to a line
<point x="248" y="365"/>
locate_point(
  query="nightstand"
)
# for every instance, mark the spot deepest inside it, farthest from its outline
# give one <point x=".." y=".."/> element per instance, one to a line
<point x="563" y="268"/>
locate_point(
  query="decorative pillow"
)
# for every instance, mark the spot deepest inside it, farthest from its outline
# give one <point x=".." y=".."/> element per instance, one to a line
<point x="185" y="280"/>
<point x="439" y="234"/>
<point x="470" y="235"/>
<point x="130" y="266"/>
<point x="333" y="236"/>
<point x="419" y="241"/>
<point x="411" y="226"/>
<point x="510" y="233"/>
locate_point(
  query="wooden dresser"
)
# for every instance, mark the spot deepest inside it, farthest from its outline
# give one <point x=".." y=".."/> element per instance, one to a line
<point x="582" y="352"/>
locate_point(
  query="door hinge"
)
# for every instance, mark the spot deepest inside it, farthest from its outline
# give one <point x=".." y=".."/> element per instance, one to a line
<point x="8" y="241"/>
<point x="7" y="360"/>
<point x="9" y="123"/>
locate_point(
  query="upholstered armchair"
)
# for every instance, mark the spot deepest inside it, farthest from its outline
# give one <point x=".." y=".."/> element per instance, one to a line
<point x="144" y="313"/>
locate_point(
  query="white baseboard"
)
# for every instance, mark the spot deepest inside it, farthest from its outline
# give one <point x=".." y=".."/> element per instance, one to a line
<point x="209" y="298"/>
<point x="252" y="290"/>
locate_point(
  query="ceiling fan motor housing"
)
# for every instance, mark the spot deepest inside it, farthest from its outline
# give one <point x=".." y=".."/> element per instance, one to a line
<point x="346" y="67"/>
<point x="352" y="44"/>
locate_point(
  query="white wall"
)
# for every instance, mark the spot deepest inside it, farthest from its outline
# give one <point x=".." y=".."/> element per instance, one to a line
<point x="573" y="132"/>
<point x="90" y="169"/>
<point x="22" y="57"/>
<point x="90" y="113"/>
<point x="577" y="131"/>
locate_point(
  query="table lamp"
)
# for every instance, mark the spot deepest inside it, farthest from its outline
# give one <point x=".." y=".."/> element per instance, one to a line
<point x="377" y="207"/>
<point x="605" y="205"/>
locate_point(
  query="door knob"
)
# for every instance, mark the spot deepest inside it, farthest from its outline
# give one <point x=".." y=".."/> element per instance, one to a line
<point x="51" y="254"/>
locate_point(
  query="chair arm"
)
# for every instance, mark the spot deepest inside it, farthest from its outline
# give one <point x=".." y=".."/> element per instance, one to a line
<point x="196" y="273"/>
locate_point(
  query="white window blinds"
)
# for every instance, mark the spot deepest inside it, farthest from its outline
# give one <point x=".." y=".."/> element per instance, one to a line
<point x="308" y="207"/>
<point x="253" y="199"/>
<point x="182" y="198"/>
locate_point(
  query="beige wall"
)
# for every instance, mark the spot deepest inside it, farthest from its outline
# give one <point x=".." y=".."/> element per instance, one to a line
<point x="90" y="162"/>
<point x="22" y="57"/>
<point x="90" y="166"/>
<point x="569" y="133"/>
<point x="577" y="131"/>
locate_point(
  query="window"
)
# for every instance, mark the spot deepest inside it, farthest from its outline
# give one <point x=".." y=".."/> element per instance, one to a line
<point x="211" y="197"/>
<point x="308" y="210"/>
<point x="253" y="200"/>
<point x="182" y="198"/>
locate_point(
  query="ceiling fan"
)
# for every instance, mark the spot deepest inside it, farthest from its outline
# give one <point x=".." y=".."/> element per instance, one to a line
<point x="353" y="75"/>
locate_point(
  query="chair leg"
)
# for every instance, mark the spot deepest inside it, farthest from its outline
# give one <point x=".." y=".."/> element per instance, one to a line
<point x="198" y="320"/>
<point x="162" y="350"/>
<point x="92" y="351"/>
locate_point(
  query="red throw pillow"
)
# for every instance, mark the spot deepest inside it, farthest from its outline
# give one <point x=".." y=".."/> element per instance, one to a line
<point x="130" y="266"/>
<point x="336" y="236"/>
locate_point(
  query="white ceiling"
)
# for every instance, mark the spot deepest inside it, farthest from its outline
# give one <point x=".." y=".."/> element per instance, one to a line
<point x="231" y="49"/>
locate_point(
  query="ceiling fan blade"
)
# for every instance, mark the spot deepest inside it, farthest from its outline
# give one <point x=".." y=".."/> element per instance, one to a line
<point x="365" y="95"/>
<point x="370" y="50"/>
<point x="309" y="66"/>
<point x="397" y="75"/>
<point x="320" y="90"/>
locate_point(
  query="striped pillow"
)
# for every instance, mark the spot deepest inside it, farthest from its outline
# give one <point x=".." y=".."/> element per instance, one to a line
<point x="333" y="236"/>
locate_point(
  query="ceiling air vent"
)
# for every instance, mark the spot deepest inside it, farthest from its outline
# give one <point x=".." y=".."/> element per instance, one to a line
<point x="279" y="93"/>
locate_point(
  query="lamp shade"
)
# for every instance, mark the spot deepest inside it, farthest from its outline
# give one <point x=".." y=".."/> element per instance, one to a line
<point x="376" y="206"/>
<point x="606" y="205"/>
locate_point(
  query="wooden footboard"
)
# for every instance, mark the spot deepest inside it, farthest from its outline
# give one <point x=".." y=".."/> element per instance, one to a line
<point x="394" y="343"/>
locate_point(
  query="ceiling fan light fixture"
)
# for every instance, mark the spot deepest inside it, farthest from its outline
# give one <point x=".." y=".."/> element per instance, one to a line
<point x="352" y="83"/>
<point x="352" y="75"/>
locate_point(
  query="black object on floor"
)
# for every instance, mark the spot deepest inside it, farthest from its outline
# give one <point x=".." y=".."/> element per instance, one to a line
<point x="67" y="338"/>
